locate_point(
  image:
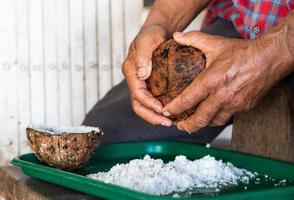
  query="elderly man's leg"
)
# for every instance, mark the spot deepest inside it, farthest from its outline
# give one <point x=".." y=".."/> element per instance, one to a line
<point x="116" y="118"/>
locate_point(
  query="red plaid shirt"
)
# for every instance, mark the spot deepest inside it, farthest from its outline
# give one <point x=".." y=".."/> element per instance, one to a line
<point x="251" y="18"/>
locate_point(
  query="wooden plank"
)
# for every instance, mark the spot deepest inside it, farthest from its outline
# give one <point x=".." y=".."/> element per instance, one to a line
<point x="57" y="45"/>
<point x="132" y="20"/>
<point x="268" y="129"/>
<point x="36" y="61"/>
<point x="23" y="61"/>
<point x="51" y="76"/>
<point x="16" y="185"/>
<point x="8" y="77"/>
<point x="63" y="63"/>
<point x="104" y="47"/>
<point x="77" y="61"/>
<point x="117" y="32"/>
<point x="2" y="60"/>
<point x="90" y="52"/>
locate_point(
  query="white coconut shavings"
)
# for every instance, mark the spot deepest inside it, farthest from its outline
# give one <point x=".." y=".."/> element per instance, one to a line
<point x="64" y="129"/>
<point x="154" y="177"/>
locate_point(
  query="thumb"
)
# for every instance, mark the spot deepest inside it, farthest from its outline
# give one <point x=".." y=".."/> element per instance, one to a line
<point x="196" y="39"/>
<point x="143" y="64"/>
<point x="143" y="50"/>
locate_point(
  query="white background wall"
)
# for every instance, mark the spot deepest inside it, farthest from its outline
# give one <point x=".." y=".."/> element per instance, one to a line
<point x="57" y="59"/>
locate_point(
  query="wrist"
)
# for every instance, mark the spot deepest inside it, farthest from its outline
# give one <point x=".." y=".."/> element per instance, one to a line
<point x="160" y="26"/>
<point x="174" y="15"/>
<point x="278" y="45"/>
<point x="155" y="32"/>
<point x="288" y="30"/>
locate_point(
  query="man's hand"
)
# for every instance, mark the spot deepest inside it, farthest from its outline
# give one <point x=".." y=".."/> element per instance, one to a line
<point x="165" y="17"/>
<point x="238" y="73"/>
<point x="137" y="68"/>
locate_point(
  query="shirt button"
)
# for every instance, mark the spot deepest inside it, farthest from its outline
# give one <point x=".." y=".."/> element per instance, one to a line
<point x="256" y="29"/>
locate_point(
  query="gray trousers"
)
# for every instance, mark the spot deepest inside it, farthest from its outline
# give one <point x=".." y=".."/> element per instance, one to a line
<point x="114" y="115"/>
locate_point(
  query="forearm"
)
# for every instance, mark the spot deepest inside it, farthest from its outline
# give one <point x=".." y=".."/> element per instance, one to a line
<point x="278" y="46"/>
<point x="288" y="29"/>
<point x="174" y="15"/>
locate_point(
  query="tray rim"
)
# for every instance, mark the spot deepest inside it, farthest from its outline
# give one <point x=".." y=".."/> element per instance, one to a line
<point x="132" y="194"/>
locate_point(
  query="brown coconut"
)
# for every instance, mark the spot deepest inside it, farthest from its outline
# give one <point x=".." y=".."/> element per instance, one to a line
<point x="174" y="67"/>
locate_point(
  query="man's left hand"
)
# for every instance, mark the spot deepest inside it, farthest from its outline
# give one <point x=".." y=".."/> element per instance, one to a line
<point x="238" y="73"/>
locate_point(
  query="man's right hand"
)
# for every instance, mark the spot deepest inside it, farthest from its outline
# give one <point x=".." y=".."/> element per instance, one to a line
<point x="137" y="68"/>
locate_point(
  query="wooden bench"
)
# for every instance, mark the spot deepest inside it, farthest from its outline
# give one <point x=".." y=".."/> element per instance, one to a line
<point x="268" y="129"/>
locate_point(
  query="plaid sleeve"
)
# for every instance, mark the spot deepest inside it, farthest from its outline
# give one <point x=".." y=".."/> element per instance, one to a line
<point x="251" y="18"/>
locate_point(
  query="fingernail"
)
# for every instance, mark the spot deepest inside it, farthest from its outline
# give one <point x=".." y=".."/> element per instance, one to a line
<point x="141" y="72"/>
<point x="158" y="107"/>
<point x="179" y="34"/>
<point x="165" y="124"/>
<point x="158" y="110"/>
<point x="166" y="113"/>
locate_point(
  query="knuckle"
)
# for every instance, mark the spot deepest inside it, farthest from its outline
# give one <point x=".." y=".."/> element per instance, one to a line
<point x="201" y="122"/>
<point x="229" y="76"/>
<point x="147" y="93"/>
<point x="213" y="82"/>
<point x="124" y="68"/>
<point x="153" y="100"/>
<point x="139" y="94"/>
<point x="224" y="96"/>
<point x="188" y="126"/>
<point x="186" y="101"/>
<point x="136" y="109"/>
<point x="239" y="104"/>
<point x="220" y="121"/>
<point x="133" y="96"/>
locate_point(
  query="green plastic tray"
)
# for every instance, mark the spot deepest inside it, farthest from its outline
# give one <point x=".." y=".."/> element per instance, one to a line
<point x="108" y="155"/>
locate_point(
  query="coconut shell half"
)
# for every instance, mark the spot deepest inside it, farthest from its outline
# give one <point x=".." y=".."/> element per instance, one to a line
<point x="63" y="150"/>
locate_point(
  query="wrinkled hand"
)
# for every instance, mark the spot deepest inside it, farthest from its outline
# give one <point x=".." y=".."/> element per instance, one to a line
<point x="137" y="68"/>
<point x="238" y="73"/>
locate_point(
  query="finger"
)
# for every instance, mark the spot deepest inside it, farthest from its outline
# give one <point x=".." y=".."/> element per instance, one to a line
<point x="143" y="65"/>
<point x="190" y="97"/>
<point x="146" y="98"/>
<point x="138" y="88"/>
<point x="143" y="50"/>
<point x="196" y="39"/>
<point x="211" y="45"/>
<point x="203" y="115"/>
<point x="149" y="115"/>
<point x="221" y="118"/>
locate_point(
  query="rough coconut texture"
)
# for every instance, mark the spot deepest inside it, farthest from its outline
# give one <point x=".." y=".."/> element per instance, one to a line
<point x="155" y="177"/>
<point x="174" y="67"/>
<point x="67" y="151"/>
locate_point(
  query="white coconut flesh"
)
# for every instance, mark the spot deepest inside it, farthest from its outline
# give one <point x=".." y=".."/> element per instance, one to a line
<point x="155" y="177"/>
<point x="65" y="129"/>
